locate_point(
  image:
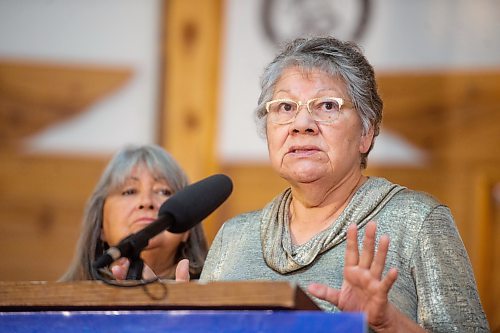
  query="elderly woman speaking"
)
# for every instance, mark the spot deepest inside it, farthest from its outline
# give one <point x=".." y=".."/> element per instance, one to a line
<point x="320" y="112"/>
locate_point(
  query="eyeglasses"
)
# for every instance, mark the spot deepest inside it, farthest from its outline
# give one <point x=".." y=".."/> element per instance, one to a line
<point x="322" y="109"/>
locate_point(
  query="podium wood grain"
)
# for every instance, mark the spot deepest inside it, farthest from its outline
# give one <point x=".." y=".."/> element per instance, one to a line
<point x="96" y="295"/>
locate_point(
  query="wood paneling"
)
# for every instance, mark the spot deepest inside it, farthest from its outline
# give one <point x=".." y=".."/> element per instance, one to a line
<point x="34" y="95"/>
<point x="485" y="246"/>
<point x="41" y="204"/>
<point x="454" y="116"/>
<point x="42" y="197"/>
<point x="191" y="72"/>
<point x="188" y="123"/>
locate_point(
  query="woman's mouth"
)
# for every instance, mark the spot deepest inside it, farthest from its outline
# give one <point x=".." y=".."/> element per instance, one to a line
<point x="145" y="220"/>
<point x="306" y="150"/>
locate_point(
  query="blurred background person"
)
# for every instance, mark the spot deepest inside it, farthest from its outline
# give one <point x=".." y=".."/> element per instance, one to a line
<point x="126" y="199"/>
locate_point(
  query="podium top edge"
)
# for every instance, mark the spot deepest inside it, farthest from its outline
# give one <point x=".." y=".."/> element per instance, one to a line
<point x="81" y="295"/>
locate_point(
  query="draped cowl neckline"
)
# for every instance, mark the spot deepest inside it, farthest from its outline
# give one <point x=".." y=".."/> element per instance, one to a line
<point x="278" y="250"/>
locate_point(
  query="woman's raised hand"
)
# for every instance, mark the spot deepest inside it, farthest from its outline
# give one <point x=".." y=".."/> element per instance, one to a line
<point x="364" y="288"/>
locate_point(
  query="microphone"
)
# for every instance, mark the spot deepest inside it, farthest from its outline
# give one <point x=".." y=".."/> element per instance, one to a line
<point x="178" y="214"/>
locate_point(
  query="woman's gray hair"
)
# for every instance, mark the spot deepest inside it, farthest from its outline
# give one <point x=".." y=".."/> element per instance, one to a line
<point x="337" y="58"/>
<point x="162" y="165"/>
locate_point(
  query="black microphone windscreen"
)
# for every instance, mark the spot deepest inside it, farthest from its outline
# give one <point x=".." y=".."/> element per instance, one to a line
<point x="195" y="202"/>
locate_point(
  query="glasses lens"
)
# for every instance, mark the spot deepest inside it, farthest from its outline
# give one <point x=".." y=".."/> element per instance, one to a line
<point x="325" y="108"/>
<point x="282" y="111"/>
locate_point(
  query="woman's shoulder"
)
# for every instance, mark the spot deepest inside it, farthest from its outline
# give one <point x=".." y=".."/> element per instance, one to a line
<point x="406" y="196"/>
<point x="244" y="219"/>
<point x="418" y="206"/>
<point x="242" y="225"/>
<point x="418" y="197"/>
<point x="413" y="203"/>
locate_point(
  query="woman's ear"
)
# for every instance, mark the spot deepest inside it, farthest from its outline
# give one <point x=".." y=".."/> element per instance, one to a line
<point x="185" y="236"/>
<point x="366" y="141"/>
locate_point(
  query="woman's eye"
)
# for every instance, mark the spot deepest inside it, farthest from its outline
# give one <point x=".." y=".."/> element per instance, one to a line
<point x="165" y="192"/>
<point x="285" y="107"/>
<point x="129" y="191"/>
<point x="329" y="106"/>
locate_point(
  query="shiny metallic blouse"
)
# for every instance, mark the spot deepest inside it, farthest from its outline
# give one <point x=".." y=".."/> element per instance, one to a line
<point x="435" y="285"/>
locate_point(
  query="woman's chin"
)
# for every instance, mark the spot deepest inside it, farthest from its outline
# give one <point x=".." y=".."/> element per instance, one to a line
<point x="304" y="177"/>
<point x="153" y="243"/>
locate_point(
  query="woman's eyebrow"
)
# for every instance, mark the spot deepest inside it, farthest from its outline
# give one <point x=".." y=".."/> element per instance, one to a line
<point x="282" y="90"/>
<point x="131" y="178"/>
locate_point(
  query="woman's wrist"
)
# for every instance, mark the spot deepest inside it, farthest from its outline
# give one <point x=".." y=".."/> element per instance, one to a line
<point x="389" y="323"/>
<point x="396" y="321"/>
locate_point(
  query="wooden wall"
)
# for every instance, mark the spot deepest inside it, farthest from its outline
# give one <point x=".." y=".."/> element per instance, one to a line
<point x="42" y="197"/>
<point x="41" y="205"/>
<point x="189" y="96"/>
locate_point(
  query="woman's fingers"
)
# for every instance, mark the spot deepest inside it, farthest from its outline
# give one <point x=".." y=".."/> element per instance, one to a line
<point x="147" y="273"/>
<point x="364" y="286"/>
<point x="351" y="252"/>
<point x="379" y="261"/>
<point x="366" y="257"/>
<point x="389" y="280"/>
<point x="362" y="268"/>
<point x="182" y="271"/>
<point x="324" y="292"/>
<point x="369" y="258"/>
<point x="119" y="268"/>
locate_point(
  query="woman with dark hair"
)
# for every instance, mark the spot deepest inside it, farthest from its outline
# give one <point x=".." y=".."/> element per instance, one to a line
<point x="126" y="199"/>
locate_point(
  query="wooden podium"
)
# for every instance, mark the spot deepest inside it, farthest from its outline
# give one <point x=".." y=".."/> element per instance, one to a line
<point x="92" y="306"/>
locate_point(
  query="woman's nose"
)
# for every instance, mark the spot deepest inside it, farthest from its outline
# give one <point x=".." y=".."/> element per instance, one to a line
<point x="303" y="122"/>
<point x="146" y="201"/>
